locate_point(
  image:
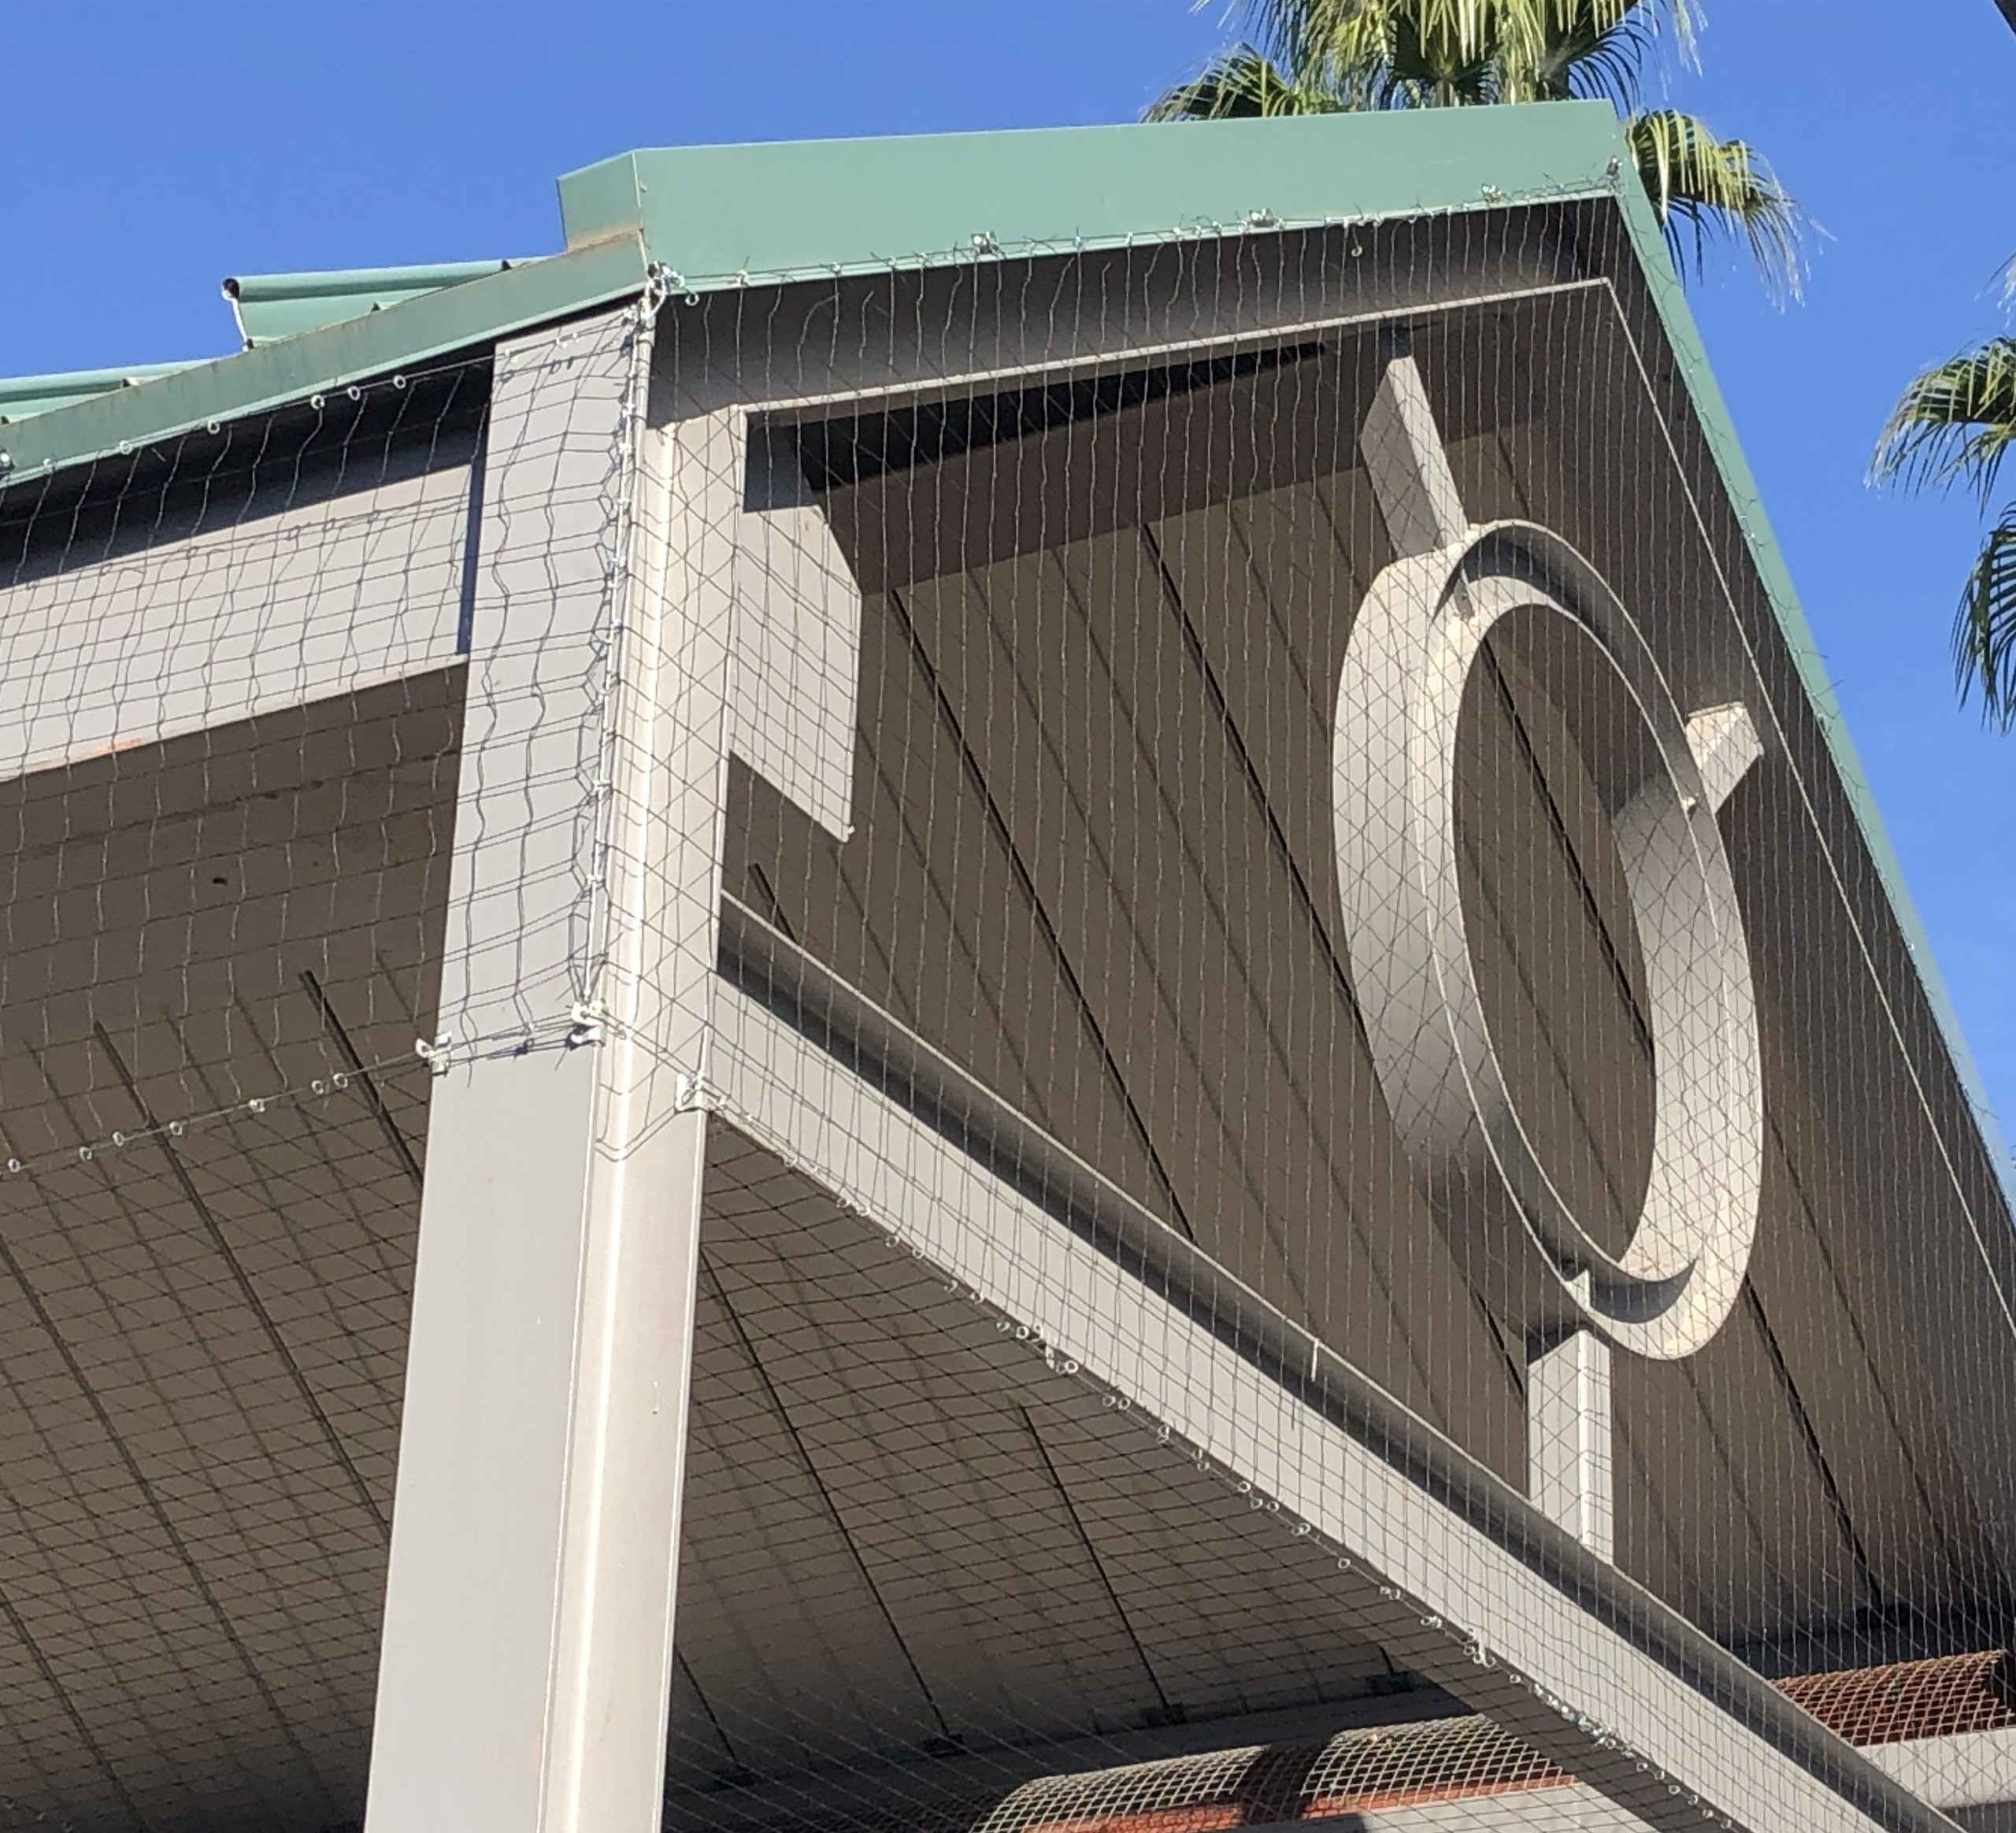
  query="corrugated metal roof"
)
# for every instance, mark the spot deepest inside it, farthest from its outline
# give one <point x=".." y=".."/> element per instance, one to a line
<point x="270" y="305"/>
<point x="266" y="307"/>
<point x="22" y="396"/>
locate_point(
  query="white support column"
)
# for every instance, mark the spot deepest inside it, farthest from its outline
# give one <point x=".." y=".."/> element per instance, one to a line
<point x="1570" y="1474"/>
<point x="525" y="1670"/>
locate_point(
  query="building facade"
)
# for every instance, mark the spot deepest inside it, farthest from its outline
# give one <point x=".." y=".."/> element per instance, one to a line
<point x="1025" y="982"/>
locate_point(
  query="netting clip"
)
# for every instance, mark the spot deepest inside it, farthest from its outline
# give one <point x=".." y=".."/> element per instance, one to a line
<point x="437" y="1055"/>
<point x="585" y="1019"/>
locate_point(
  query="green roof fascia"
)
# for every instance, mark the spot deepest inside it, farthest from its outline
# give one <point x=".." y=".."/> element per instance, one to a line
<point x="270" y="305"/>
<point x="413" y="331"/>
<point x="718" y="216"/>
<point x="1684" y="336"/>
<point x="21" y="396"/>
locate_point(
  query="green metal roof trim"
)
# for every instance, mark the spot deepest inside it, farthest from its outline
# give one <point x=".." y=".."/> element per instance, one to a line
<point x="23" y="396"/>
<point x="266" y="306"/>
<point x="720" y="216"/>
<point x="270" y="305"/>
<point x="413" y="331"/>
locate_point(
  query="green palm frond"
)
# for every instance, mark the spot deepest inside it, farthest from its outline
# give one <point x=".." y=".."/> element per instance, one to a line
<point x="1700" y="185"/>
<point x="1437" y="58"/>
<point x="1599" y="48"/>
<point x="1955" y="424"/>
<point x="1310" y="30"/>
<point x="1985" y="631"/>
<point x="1389" y="53"/>
<point x="1240" y="84"/>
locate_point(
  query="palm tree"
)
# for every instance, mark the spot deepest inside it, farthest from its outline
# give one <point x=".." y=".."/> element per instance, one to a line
<point x="1325" y="57"/>
<point x="1952" y="425"/>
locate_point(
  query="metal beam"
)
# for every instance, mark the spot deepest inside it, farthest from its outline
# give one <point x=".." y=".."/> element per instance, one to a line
<point x="1468" y="1608"/>
<point x="332" y="593"/>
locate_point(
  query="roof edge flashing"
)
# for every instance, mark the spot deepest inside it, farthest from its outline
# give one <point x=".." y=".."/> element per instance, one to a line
<point x="715" y="217"/>
<point x="266" y="306"/>
<point x="724" y="216"/>
<point x="422" y="328"/>
<point x="23" y="397"/>
<point x="600" y="202"/>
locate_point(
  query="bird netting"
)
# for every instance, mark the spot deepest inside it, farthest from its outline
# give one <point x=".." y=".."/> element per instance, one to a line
<point x="233" y="707"/>
<point x="1337" y="820"/>
<point x="1331" y="1189"/>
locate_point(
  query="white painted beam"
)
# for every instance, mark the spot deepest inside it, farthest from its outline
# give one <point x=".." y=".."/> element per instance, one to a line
<point x="118" y="643"/>
<point x="797" y="639"/>
<point x="1724" y="743"/>
<point x="1405" y="459"/>
<point x="1469" y="1613"/>
<point x="1966" y="1769"/>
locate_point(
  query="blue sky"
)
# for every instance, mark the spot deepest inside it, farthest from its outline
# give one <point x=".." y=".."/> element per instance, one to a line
<point x="153" y="148"/>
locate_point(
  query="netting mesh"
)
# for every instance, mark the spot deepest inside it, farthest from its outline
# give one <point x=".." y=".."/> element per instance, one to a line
<point x="990" y="1567"/>
<point x="1164" y="859"/>
<point x="1329" y="1188"/>
<point x="220" y="936"/>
